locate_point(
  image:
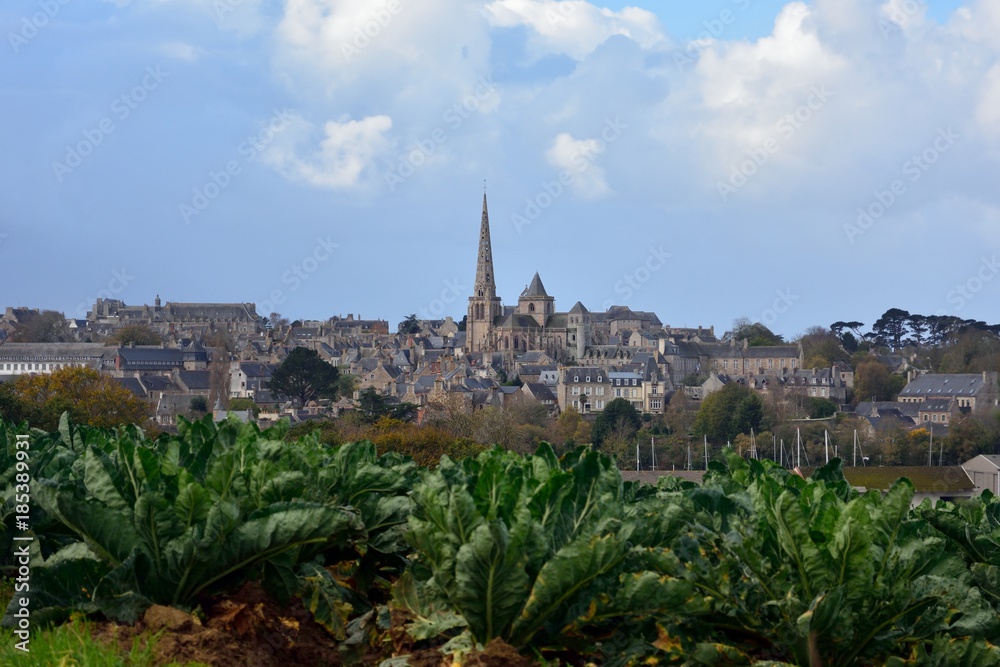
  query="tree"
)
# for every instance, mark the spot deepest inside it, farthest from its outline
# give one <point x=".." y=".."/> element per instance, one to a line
<point x="199" y="404"/>
<point x="374" y="406"/>
<point x="305" y="376"/>
<point x="240" y="404"/>
<point x="890" y="328"/>
<point x="755" y="333"/>
<point x="409" y="325"/>
<point x="618" y="416"/>
<point x="136" y="334"/>
<point x="730" y="411"/>
<point x="346" y="384"/>
<point x="276" y="320"/>
<point x="680" y="414"/>
<point x="570" y="429"/>
<point x="48" y="326"/>
<point x="464" y="323"/>
<point x="871" y="381"/>
<point x="89" y="396"/>
<point x="822" y="348"/>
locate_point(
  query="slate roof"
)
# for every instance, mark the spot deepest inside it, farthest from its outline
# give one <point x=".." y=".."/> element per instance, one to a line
<point x="156" y="383"/>
<point x="151" y="355"/>
<point x="939" y="385"/>
<point x="868" y="408"/>
<point x="540" y="391"/>
<point x="578" y="309"/>
<point x="255" y="369"/>
<point x="133" y="385"/>
<point x="195" y="380"/>
<point x="535" y="289"/>
<point x="520" y="321"/>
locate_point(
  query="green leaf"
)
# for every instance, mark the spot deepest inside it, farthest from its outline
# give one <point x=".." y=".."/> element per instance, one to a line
<point x="491" y="582"/>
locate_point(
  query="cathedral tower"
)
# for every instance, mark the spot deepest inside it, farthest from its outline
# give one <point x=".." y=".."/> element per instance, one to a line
<point x="484" y="304"/>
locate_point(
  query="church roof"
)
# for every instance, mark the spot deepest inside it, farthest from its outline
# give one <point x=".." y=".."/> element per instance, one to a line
<point x="536" y="288"/>
<point x="578" y="309"/>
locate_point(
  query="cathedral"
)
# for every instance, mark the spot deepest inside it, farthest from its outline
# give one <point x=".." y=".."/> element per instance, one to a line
<point x="532" y="325"/>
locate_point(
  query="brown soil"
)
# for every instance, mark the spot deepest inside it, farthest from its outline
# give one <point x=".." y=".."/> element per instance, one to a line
<point x="497" y="654"/>
<point x="244" y="629"/>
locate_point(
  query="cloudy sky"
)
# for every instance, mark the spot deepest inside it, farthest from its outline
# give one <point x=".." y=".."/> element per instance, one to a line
<point x="796" y="163"/>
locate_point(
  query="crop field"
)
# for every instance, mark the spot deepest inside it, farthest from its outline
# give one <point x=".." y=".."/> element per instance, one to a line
<point x="227" y="545"/>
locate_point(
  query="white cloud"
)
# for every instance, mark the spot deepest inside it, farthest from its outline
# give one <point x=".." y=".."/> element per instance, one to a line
<point x="578" y="157"/>
<point x="574" y="27"/>
<point x="346" y="153"/>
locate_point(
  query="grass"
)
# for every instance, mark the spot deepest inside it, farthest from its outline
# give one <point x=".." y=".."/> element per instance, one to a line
<point x="72" y="645"/>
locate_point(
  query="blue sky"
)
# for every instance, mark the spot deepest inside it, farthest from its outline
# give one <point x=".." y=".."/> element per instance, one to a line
<point x="795" y="163"/>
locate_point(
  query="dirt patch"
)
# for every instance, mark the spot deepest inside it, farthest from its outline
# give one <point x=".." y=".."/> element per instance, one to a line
<point x="244" y="629"/>
<point x="497" y="653"/>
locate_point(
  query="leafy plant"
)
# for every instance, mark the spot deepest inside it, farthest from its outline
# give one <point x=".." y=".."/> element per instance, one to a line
<point x="532" y="547"/>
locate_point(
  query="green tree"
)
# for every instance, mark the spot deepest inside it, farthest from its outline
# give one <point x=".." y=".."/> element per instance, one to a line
<point x="136" y="334"/>
<point x="891" y="327"/>
<point x="305" y="376"/>
<point x="240" y="404"/>
<point x="374" y="406"/>
<point x="755" y="333"/>
<point x="409" y="325"/>
<point x="730" y="411"/>
<point x="198" y="404"/>
<point x="618" y="417"/>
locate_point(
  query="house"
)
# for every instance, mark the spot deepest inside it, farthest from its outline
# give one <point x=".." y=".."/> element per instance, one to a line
<point x="246" y="378"/>
<point x="541" y="393"/>
<point x="972" y="392"/>
<point x="148" y="358"/>
<point x="22" y="358"/>
<point x="585" y="388"/>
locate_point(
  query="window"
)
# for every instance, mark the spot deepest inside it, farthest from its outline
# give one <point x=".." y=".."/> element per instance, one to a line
<point x="600" y="391"/>
<point x="599" y="378"/>
<point x="576" y="391"/>
<point x="934" y="418"/>
<point x="927" y="417"/>
<point x="654" y="405"/>
<point x="635" y="393"/>
<point x="944" y="418"/>
<point x="588" y="378"/>
<point x="634" y="382"/>
<point x="725" y="364"/>
<point x="588" y="391"/>
<point x="600" y="405"/>
<point x="576" y="378"/>
<point x="618" y="393"/>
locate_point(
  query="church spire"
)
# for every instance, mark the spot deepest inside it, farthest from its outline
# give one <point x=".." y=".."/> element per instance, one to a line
<point x="485" y="284"/>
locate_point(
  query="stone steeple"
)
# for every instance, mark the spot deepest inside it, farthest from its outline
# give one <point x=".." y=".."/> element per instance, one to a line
<point x="485" y="284"/>
<point x="484" y="304"/>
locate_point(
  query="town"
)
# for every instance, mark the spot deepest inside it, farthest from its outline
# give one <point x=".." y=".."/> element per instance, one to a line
<point x="915" y="390"/>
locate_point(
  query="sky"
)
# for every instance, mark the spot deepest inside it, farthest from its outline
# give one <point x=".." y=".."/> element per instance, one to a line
<point x="795" y="163"/>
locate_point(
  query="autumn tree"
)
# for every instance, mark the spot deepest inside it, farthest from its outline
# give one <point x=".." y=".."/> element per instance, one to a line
<point x="755" y="333"/>
<point x="305" y="376"/>
<point x="89" y="396"/>
<point x="871" y="381"/>
<point x="570" y="428"/>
